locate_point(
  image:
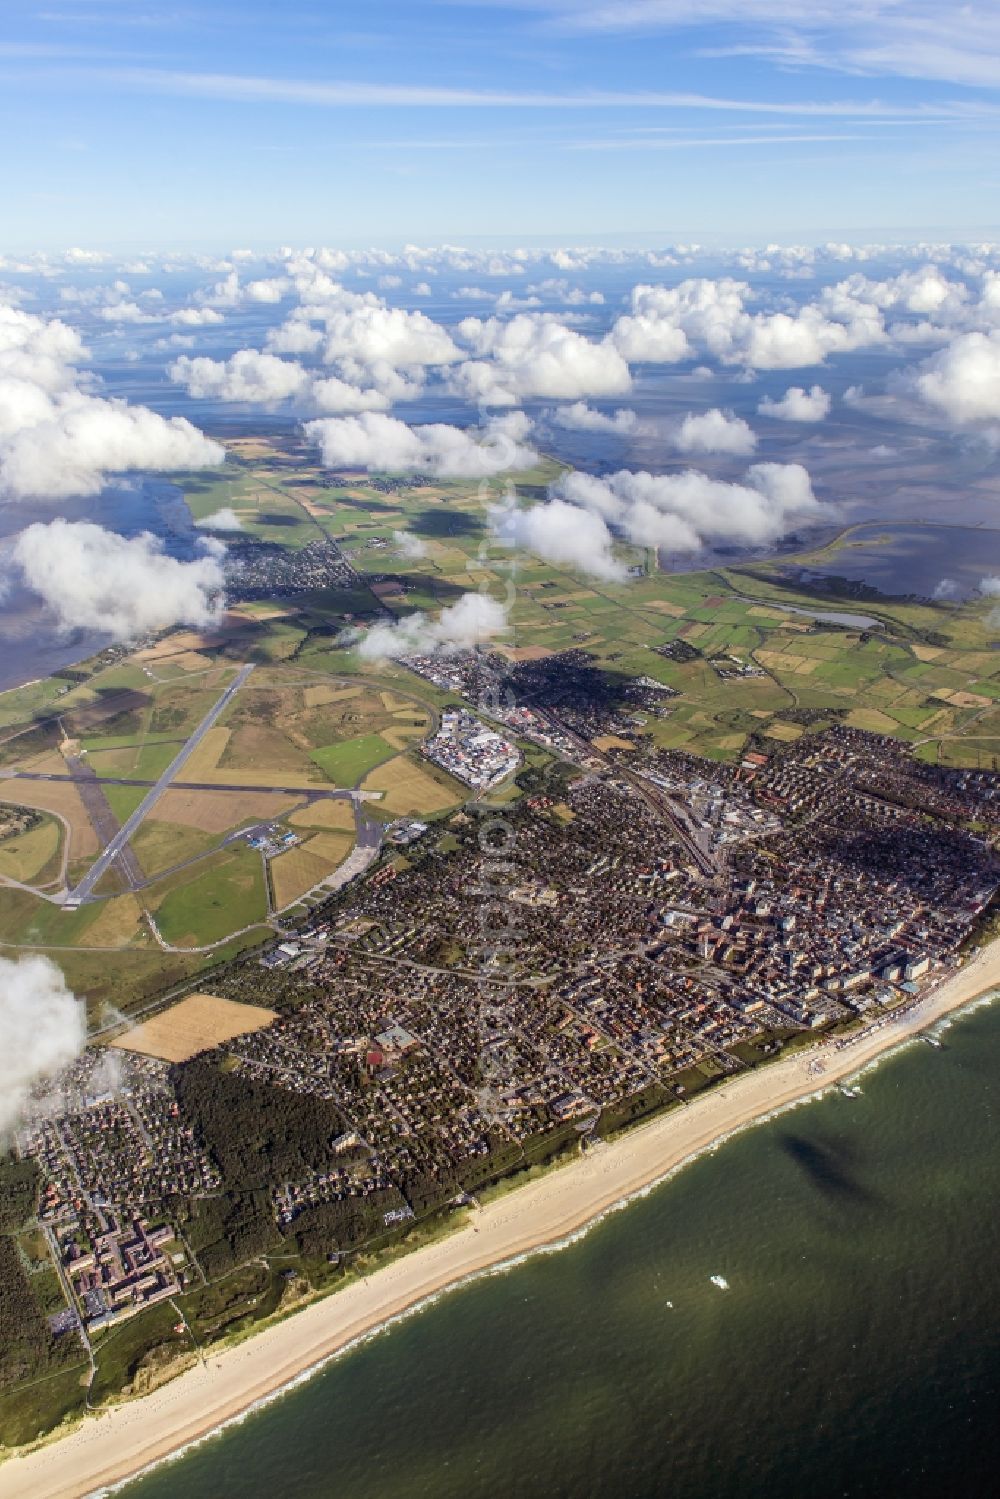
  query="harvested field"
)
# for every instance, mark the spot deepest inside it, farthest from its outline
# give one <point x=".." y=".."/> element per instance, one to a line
<point x="969" y="700"/>
<point x="298" y="870"/>
<point x="802" y="666"/>
<point x="402" y="735"/>
<point x="393" y="704"/>
<point x="872" y="720"/>
<point x="236" y="779"/>
<point x="409" y="788"/>
<point x="252" y="447"/>
<point x="611" y="741"/>
<point x="117" y="925"/>
<point x="343" y="694"/>
<point x="218" y="811"/>
<point x="189" y="661"/>
<point x="49" y="762"/>
<point x="761" y="611"/>
<point x="194" y="640"/>
<point x="203" y="761"/>
<point x="317" y="697"/>
<point x="198" y="1023"/>
<point x="333" y="847"/>
<point x="525" y="652"/>
<point x="332" y="813"/>
<point x="295" y="872"/>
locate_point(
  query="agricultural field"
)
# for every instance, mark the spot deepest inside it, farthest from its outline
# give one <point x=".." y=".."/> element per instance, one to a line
<point x="412" y="786"/>
<point x="307" y="864"/>
<point x="268" y="503"/>
<point x="197" y="1023"/>
<point x="922" y="672"/>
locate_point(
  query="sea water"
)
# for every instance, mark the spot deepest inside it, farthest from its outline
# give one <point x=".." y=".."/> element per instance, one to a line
<point x="856" y="1351"/>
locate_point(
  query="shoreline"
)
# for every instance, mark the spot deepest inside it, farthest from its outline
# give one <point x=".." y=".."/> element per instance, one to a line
<point x="541" y="1216"/>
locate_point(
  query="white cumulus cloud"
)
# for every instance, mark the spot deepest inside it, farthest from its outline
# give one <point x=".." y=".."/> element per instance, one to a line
<point x="559" y="532"/>
<point x="255" y="378"/>
<point x="58" y="438"/>
<point x="534" y="355"/>
<point x="224" y="519"/>
<point x="683" y="512"/>
<point x="962" y="380"/>
<point x="798" y="405"/>
<point x="42" y="1028"/>
<point x="714" y="431"/>
<point x="408" y="545"/>
<point x="471" y="621"/>
<point x="94" y="579"/>
<point x="382" y="443"/>
<point x="579" y="417"/>
<point x="703" y="316"/>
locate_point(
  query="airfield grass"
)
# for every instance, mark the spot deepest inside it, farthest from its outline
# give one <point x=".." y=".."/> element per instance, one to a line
<point x="159" y="845"/>
<point x="118" y="923"/>
<point x="125" y="978"/>
<point x="218" y="897"/>
<point x="123" y="800"/>
<point x="348" y="763"/>
<point x="28" y="920"/>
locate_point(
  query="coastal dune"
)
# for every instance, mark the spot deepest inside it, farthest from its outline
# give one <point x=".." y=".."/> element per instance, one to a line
<point x="120" y="1442"/>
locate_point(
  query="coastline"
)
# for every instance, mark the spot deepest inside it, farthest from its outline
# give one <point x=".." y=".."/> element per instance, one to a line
<point x="544" y="1214"/>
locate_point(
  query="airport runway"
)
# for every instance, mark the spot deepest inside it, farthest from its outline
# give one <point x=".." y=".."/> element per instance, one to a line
<point x="131" y="825"/>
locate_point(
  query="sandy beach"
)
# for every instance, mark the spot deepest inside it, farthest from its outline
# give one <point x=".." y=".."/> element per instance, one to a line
<point x="115" y="1445"/>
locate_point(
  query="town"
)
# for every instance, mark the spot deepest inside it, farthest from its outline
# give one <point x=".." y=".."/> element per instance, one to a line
<point x="659" y="922"/>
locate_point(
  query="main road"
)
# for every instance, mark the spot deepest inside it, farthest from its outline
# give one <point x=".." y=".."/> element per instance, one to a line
<point x="128" y="828"/>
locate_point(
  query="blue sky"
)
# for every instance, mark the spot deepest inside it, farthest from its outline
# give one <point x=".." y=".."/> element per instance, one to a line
<point x="213" y="124"/>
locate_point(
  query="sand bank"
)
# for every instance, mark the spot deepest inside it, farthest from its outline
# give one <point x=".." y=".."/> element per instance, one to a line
<point x="115" y="1445"/>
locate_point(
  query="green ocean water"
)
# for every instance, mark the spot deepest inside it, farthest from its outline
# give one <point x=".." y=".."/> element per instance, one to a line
<point x="856" y="1353"/>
